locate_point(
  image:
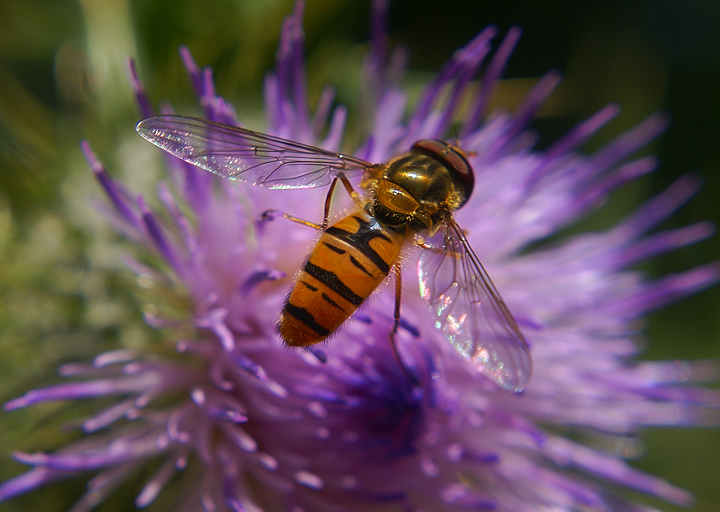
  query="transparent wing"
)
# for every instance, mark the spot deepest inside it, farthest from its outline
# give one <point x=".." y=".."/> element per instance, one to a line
<point x="244" y="155"/>
<point x="470" y="312"/>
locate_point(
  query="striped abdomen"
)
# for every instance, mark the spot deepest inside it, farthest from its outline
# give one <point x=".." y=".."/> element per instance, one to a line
<point x="349" y="261"/>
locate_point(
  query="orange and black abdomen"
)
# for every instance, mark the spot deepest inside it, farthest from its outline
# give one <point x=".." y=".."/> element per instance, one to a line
<point x="350" y="260"/>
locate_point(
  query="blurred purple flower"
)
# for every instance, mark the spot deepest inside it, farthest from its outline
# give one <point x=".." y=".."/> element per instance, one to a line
<point x="279" y="429"/>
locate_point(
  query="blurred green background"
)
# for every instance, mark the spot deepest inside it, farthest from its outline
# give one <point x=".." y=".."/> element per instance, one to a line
<point x="64" y="292"/>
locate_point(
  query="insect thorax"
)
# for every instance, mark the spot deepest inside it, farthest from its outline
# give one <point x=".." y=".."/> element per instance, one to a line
<point x="413" y="190"/>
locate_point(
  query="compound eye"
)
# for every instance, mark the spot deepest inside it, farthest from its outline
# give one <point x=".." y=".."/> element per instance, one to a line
<point x="452" y="157"/>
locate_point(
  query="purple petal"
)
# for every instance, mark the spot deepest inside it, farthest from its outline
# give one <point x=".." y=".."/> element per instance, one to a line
<point x="114" y="192"/>
<point x="141" y="96"/>
<point x="492" y="75"/>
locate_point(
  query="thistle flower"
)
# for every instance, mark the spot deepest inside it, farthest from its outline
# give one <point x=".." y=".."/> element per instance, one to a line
<point x="241" y="423"/>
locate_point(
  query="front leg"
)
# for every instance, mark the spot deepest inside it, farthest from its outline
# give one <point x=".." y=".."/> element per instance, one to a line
<point x="269" y="215"/>
<point x="396" y="324"/>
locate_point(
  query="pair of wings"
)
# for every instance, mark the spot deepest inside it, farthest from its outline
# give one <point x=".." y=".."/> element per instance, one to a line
<point x="467" y="307"/>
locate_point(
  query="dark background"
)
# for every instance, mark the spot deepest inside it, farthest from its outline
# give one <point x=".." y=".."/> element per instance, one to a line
<point x="63" y="293"/>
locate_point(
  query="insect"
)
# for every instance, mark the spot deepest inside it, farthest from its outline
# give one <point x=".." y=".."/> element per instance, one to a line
<point x="410" y="198"/>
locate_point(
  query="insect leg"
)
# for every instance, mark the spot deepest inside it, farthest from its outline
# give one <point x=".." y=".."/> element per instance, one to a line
<point x="398" y="297"/>
<point x="396" y="324"/>
<point x="350" y="190"/>
<point x="274" y="214"/>
<point x="328" y="200"/>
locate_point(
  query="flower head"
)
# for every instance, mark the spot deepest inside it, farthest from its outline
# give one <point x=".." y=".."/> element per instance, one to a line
<point x="245" y="424"/>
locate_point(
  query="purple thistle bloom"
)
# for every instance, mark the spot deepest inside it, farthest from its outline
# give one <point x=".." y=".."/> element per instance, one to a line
<point x="343" y="428"/>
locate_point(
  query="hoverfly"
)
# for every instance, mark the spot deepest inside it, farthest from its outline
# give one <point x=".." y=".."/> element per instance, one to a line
<point x="413" y="194"/>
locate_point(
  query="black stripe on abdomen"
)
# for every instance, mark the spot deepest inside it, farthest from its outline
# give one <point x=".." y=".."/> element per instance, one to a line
<point x="361" y="239"/>
<point x="334" y="304"/>
<point x="359" y="266"/>
<point x="334" y="248"/>
<point x="332" y="281"/>
<point x="305" y="317"/>
<point x="308" y="286"/>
